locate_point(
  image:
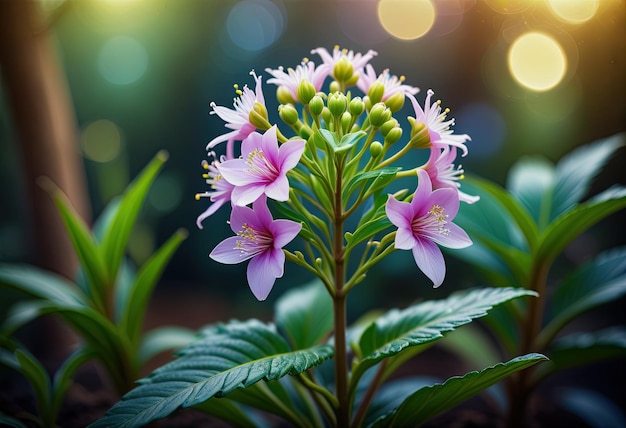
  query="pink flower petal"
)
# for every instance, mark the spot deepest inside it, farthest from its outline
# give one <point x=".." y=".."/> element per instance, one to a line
<point x="244" y="195"/>
<point x="447" y="198"/>
<point x="430" y="261"/>
<point x="278" y="189"/>
<point x="262" y="273"/>
<point x="405" y="240"/>
<point x="226" y="252"/>
<point x="289" y="154"/>
<point x="422" y="193"/>
<point x="284" y="231"/>
<point x="455" y="238"/>
<point x="399" y="213"/>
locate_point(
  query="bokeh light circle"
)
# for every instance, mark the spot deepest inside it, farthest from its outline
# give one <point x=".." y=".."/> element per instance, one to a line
<point x="122" y="60"/>
<point x="254" y="25"/>
<point x="574" y="11"/>
<point x="406" y="19"/>
<point x="537" y="61"/>
<point x="101" y="141"/>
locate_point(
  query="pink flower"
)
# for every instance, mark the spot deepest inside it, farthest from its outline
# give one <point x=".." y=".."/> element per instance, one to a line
<point x="222" y="190"/>
<point x="442" y="173"/>
<point x="305" y="71"/>
<point x="238" y="119"/>
<point x="438" y="128"/>
<point x="425" y="222"/>
<point x="260" y="239"/>
<point x="262" y="168"/>
<point x="393" y="84"/>
<point x="357" y="59"/>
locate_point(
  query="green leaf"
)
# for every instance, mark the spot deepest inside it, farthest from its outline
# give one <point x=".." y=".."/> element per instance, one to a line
<point x="368" y="230"/>
<point x="426" y="322"/>
<point x="63" y="378"/>
<point x="41" y="284"/>
<point x="372" y="179"/>
<point x="118" y="230"/>
<point x="432" y="400"/>
<point x="531" y="181"/>
<point x="9" y="421"/>
<point x="599" y="281"/>
<point x="592" y="407"/>
<point x="40" y="382"/>
<point x="134" y="311"/>
<point x="574" y="222"/>
<point x="575" y="172"/>
<point x="578" y="349"/>
<point x="305" y="315"/>
<point x="226" y="358"/>
<point x="228" y="411"/>
<point x="162" y="339"/>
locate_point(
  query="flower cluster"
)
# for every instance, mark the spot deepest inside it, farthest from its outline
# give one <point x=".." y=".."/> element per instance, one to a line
<point x="330" y="159"/>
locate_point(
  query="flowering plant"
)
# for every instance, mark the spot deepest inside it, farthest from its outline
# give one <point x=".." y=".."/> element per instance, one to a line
<point x="329" y="174"/>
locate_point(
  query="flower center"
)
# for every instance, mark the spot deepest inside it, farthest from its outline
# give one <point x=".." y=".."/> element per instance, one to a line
<point x="433" y="221"/>
<point x="260" y="166"/>
<point x="253" y="241"/>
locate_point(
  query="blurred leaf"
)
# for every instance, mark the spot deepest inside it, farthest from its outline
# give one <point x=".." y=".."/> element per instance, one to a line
<point x="472" y="345"/>
<point x="118" y="229"/>
<point x="9" y="421"/>
<point x="432" y="400"/>
<point x="134" y="309"/>
<point x="226" y="358"/>
<point x="599" y="281"/>
<point x="576" y="170"/>
<point x="162" y="339"/>
<point x="578" y="349"/>
<point x="531" y="181"/>
<point x="40" y="382"/>
<point x="104" y="219"/>
<point x="594" y="408"/>
<point x="571" y="224"/>
<point x="425" y="322"/>
<point x="64" y="376"/>
<point x="21" y="313"/>
<point x="502" y="322"/>
<point x="305" y="315"/>
<point x="228" y="411"/>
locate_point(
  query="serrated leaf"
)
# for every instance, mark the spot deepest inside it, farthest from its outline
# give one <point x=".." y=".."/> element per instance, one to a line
<point x="135" y="306"/>
<point x="162" y="339"/>
<point x="574" y="222"/>
<point x="117" y="232"/>
<point x="599" y="281"/>
<point x="432" y="400"/>
<point x="305" y="315"/>
<point x="578" y="349"/>
<point x="426" y="322"/>
<point x="226" y="358"/>
<point x="531" y="181"/>
<point x="576" y="170"/>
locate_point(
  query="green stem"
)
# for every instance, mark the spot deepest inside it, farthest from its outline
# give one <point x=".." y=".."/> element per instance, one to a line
<point x="369" y="394"/>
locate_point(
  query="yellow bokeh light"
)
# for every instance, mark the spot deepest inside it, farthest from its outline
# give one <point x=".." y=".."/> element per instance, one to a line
<point x="574" y="11"/>
<point x="537" y="61"/>
<point x="101" y="141"/>
<point x="406" y="19"/>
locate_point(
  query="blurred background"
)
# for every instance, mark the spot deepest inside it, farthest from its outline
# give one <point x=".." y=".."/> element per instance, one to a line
<point x="131" y="77"/>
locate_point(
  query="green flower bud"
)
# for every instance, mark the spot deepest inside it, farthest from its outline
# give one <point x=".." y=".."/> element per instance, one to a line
<point x="393" y="135"/>
<point x="327" y="115"/>
<point x="337" y="104"/>
<point x="395" y="102"/>
<point x="316" y="105"/>
<point x="283" y="95"/>
<point x="346" y="120"/>
<point x="379" y="114"/>
<point x="288" y="114"/>
<point x="356" y="106"/>
<point x="334" y="87"/>
<point x="306" y="91"/>
<point x="376" y="92"/>
<point x="420" y="137"/>
<point x="344" y="70"/>
<point x="258" y="116"/>
<point x="388" y="126"/>
<point x="376" y="149"/>
<point x="367" y="103"/>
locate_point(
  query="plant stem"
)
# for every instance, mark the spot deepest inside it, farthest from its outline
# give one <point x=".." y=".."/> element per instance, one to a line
<point x="339" y="307"/>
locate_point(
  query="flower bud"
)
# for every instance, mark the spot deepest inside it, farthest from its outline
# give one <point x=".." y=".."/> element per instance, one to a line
<point x="393" y="135"/>
<point x="420" y="137"/>
<point x="288" y="114"/>
<point x="327" y="115"/>
<point x="346" y="121"/>
<point x="344" y="70"/>
<point x="379" y="114"/>
<point x="283" y="95"/>
<point x="388" y="126"/>
<point x="337" y="104"/>
<point x="367" y="103"/>
<point x="306" y="91"/>
<point x="316" y="105"/>
<point x="395" y="102"/>
<point x="258" y="116"/>
<point x="376" y="149"/>
<point x="356" y="106"/>
<point x="376" y="92"/>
